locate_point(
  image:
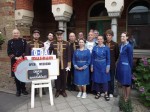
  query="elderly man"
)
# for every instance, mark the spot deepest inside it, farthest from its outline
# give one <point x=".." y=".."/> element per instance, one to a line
<point x="61" y="49"/>
<point x="81" y="35"/>
<point x="96" y="33"/>
<point x="73" y="43"/>
<point x="90" y="43"/>
<point x="16" y="50"/>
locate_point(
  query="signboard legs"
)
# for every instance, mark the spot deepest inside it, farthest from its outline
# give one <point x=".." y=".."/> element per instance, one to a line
<point x="41" y="84"/>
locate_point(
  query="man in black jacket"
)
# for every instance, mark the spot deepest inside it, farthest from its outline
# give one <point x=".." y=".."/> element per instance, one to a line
<point x="15" y="50"/>
<point x="73" y="45"/>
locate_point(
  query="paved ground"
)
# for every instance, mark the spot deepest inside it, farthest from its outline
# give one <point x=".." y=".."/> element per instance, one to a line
<point x="11" y="103"/>
<point x="61" y="104"/>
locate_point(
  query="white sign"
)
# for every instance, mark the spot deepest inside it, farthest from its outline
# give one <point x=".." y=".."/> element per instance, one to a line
<point x="39" y="52"/>
<point x="45" y="64"/>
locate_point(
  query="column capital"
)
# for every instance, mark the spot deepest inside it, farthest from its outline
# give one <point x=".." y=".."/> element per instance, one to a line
<point x="114" y="7"/>
<point x="23" y="17"/>
<point x="62" y="12"/>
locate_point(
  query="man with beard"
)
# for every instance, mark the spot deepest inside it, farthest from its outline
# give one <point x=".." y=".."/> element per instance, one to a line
<point x="35" y="43"/>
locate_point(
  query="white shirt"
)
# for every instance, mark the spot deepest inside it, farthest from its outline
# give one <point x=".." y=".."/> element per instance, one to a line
<point x="46" y="46"/>
<point x="89" y="45"/>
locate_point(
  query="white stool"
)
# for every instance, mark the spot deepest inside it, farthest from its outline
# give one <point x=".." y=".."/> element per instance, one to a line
<point x="41" y="84"/>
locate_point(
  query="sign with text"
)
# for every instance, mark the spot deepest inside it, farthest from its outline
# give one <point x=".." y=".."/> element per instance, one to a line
<point x="39" y="52"/>
<point x="36" y="67"/>
<point x="37" y="74"/>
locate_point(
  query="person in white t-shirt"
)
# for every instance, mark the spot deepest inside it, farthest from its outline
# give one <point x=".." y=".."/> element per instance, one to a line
<point x="48" y="42"/>
<point x="90" y="43"/>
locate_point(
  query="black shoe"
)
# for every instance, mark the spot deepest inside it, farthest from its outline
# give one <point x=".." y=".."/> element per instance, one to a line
<point x="43" y="92"/>
<point x="64" y="94"/>
<point x="25" y="93"/>
<point x="106" y="97"/>
<point x="57" y="93"/>
<point x="18" y="93"/>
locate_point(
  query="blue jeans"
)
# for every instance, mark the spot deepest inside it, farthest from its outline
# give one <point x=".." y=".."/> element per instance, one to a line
<point x="111" y="82"/>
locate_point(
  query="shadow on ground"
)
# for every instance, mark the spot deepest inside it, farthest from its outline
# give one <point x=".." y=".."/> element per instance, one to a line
<point x="9" y="102"/>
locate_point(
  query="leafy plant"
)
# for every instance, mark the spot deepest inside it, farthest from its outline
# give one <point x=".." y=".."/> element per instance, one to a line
<point x="125" y="106"/>
<point x="2" y="40"/>
<point x="141" y="77"/>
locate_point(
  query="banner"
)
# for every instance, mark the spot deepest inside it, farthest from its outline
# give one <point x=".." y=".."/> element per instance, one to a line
<point x="36" y="67"/>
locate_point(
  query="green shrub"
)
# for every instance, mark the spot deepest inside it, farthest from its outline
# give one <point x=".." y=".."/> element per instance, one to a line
<point x="141" y="77"/>
<point x="125" y="106"/>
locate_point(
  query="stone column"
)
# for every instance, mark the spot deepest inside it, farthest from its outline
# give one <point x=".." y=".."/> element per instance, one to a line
<point x="114" y="9"/>
<point x="63" y="26"/>
<point x="24" y="16"/>
<point x="114" y="26"/>
<point x="62" y="11"/>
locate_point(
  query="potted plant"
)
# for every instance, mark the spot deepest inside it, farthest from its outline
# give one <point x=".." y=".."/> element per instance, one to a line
<point x="2" y="40"/>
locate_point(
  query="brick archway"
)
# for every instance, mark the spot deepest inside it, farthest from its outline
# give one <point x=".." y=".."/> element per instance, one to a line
<point x="43" y="18"/>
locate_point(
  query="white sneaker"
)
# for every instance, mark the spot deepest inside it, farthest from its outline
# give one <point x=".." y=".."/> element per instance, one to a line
<point x="111" y="95"/>
<point x="102" y="94"/>
<point x="79" y="94"/>
<point x="84" y="95"/>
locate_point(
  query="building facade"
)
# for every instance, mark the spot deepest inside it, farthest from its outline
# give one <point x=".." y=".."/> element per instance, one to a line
<point x="76" y="16"/>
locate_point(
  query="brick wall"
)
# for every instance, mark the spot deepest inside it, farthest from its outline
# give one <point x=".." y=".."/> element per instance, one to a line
<point x="24" y="4"/>
<point x="7" y="24"/>
<point x="81" y="13"/>
<point x="68" y="2"/>
<point x="81" y="9"/>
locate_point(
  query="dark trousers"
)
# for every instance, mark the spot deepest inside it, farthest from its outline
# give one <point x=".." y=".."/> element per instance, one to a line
<point x="101" y="87"/>
<point x="60" y="82"/>
<point x="20" y="85"/>
<point x="111" y="82"/>
<point x="70" y="80"/>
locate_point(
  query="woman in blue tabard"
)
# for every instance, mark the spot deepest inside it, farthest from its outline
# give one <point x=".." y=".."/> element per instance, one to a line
<point x="124" y="65"/>
<point x="100" y="66"/>
<point x="81" y="62"/>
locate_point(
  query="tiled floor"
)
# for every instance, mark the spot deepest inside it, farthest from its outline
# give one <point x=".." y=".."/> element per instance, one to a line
<point x="71" y="104"/>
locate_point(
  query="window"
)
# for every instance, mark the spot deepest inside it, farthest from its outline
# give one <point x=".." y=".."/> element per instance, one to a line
<point x="139" y="24"/>
<point x="98" y="10"/>
<point x="138" y="15"/>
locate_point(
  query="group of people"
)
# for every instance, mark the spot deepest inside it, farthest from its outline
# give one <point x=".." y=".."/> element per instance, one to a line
<point x="89" y="64"/>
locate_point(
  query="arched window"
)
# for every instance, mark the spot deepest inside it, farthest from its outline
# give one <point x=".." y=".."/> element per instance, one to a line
<point x="139" y="24"/>
<point x="98" y="17"/>
<point x="138" y="15"/>
<point x="98" y="10"/>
